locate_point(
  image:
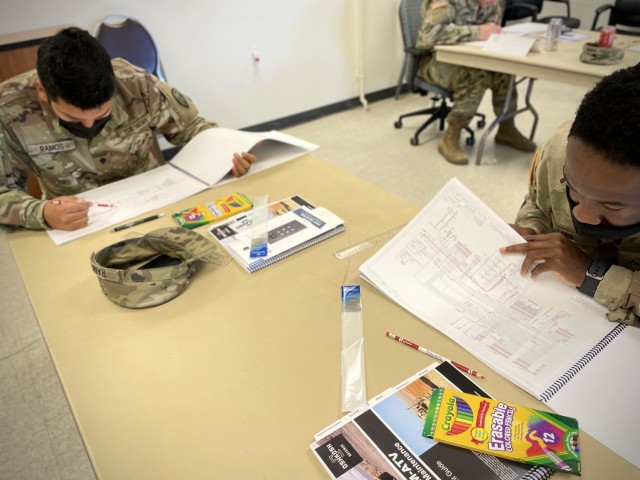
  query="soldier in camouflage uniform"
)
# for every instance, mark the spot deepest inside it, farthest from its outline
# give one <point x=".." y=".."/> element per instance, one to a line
<point x="581" y="217"/>
<point x="447" y="22"/>
<point x="80" y="121"/>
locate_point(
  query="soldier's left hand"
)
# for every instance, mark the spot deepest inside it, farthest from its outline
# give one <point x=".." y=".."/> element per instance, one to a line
<point x="242" y="163"/>
<point x="552" y="252"/>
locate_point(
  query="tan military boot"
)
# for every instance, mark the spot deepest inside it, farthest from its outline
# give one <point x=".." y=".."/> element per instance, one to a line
<point x="449" y="146"/>
<point x="509" y="135"/>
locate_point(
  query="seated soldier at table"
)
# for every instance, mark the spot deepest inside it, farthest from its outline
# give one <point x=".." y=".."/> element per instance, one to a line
<point x="81" y="120"/>
<point x="447" y="22"/>
<point x="581" y="217"/>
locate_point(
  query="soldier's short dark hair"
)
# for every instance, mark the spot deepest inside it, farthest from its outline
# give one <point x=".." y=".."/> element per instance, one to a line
<point x="73" y="66"/>
<point x="608" y="118"/>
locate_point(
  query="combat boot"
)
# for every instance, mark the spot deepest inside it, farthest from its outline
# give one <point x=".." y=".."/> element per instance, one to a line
<point x="509" y="135"/>
<point x="449" y="146"/>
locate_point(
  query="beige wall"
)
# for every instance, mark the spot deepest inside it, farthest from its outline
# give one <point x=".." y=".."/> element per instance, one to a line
<point x="307" y="48"/>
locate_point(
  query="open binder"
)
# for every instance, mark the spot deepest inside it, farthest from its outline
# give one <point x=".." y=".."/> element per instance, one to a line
<point x="203" y="162"/>
<point x="545" y="336"/>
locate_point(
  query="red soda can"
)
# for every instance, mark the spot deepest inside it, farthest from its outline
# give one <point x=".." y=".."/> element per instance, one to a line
<point x="607" y="35"/>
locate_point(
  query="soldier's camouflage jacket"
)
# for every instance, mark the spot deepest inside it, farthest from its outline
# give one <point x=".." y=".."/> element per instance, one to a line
<point x="32" y="140"/>
<point x="447" y="22"/>
<point x="547" y="210"/>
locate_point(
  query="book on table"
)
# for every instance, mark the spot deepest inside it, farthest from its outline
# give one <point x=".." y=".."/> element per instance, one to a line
<point x="203" y="162"/>
<point x="543" y="335"/>
<point x="293" y="225"/>
<point x="385" y="440"/>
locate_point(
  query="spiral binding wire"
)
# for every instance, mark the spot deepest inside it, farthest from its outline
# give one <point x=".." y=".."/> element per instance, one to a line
<point x="538" y="473"/>
<point x="264" y="263"/>
<point x="580" y="364"/>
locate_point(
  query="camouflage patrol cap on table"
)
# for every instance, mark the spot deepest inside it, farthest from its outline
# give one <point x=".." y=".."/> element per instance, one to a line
<point x="150" y="270"/>
<point x="592" y="53"/>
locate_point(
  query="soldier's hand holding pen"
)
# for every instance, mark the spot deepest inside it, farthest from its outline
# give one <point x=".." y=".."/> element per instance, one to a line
<point x="66" y="213"/>
<point x="486" y="29"/>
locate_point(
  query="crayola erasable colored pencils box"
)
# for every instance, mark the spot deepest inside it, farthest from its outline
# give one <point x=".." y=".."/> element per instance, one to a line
<point x="504" y="430"/>
<point x="213" y="211"/>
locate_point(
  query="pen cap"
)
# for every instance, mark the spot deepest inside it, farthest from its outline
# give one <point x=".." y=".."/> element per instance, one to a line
<point x="150" y="270"/>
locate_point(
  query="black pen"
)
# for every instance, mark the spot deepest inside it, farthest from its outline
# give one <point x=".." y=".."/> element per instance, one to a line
<point x="138" y="222"/>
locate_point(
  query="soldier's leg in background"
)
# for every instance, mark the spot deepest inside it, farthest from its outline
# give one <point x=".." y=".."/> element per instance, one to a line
<point x="507" y="133"/>
<point x="468" y="86"/>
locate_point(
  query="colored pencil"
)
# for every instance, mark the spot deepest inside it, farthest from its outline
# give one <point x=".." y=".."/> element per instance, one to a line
<point x="459" y="366"/>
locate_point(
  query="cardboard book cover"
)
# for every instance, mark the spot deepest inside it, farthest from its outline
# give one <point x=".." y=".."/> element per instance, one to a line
<point x="385" y="441"/>
<point x="503" y="429"/>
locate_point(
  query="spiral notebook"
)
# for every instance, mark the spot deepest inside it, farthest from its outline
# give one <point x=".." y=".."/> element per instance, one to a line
<point x="543" y="335"/>
<point x="385" y="440"/>
<point x="294" y="224"/>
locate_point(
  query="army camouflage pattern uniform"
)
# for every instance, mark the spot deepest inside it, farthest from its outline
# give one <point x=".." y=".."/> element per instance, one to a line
<point x="31" y="139"/>
<point x="126" y="283"/>
<point x="546" y="210"/>
<point x="592" y="53"/>
<point x="448" y="22"/>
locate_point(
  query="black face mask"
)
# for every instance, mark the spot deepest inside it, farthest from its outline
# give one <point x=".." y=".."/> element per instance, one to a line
<point x="599" y="232"/>
<point x="79" y="130"/>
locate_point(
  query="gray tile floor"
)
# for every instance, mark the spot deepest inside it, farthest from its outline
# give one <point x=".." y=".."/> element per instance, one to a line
<point x="38" y="435"/>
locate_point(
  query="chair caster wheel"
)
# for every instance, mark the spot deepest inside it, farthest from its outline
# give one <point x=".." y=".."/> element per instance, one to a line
<point x="481" y="123"/>
<point x="414" y="141"/>
<point x="470" y="141"/>
<point x="397" y="124"/>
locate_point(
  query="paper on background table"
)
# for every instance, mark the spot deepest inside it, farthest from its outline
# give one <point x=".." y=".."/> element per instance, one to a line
<point x="525" y="28"/>
<point x="509" y="44"/>
<point x="515" y="30"/>
<point x="445" y="268"/>
<point x="207" y="161"/>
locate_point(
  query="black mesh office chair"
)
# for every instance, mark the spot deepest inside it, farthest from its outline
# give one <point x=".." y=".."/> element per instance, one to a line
<point x="623" y="13"/>
<point x="520" y="9"/>
<point x="567" y="20"/>
<point x="410" y="21"/>
<point x="125" y="37"/>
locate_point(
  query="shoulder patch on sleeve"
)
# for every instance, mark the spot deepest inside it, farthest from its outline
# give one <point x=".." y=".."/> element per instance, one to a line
<point x="179" y="103"/>
<point x="179" y="98"/>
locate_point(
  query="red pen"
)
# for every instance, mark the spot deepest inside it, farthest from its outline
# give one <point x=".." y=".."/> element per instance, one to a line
<point x="434" y="355"/>
<point x="60" y="202"/>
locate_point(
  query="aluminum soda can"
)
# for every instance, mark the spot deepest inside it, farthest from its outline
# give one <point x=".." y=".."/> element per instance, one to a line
<point x="607" y="36"/>
<point x="553" y="34"/>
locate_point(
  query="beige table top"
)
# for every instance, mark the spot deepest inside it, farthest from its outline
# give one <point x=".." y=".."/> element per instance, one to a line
<point x="234" y="377"/>
<point x="563" y="65"/>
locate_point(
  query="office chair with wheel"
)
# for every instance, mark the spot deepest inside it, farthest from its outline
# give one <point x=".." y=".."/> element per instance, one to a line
<point x="623" y="13"/>
<point x="125" y="37"/>
<point x="410" y="21"/>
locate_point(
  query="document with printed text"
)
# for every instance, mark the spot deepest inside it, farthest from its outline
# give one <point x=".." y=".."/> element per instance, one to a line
<point x="543" y="335"/>
<point x="205" y="161"/>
